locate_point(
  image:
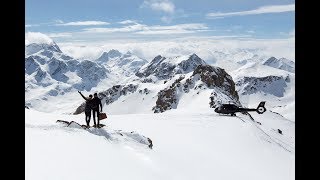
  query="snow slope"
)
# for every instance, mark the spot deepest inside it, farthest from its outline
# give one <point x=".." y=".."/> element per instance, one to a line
<point x="190" y="141"/>
<point x="186" y="145"/>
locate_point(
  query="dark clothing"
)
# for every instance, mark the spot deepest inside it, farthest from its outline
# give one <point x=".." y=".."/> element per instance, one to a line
<point x="96" y="102"/>
<point x="95" y="114"/>
<point x="87" y="108"/>
<point x="88" y="117"/>
<point x="88" y="105"/>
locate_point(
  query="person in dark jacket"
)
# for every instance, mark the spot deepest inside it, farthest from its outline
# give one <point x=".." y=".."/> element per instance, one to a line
<point x="96" y="102"/>
<point x="87" y="108"/>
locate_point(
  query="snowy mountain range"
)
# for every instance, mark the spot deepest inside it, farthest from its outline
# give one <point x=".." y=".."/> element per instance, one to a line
<point x="123" y="64"/>
<point x="161" y="123"/>
<point x="168" y="80"/>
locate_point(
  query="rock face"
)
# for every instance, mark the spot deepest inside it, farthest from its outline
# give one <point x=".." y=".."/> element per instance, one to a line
<point x="165" y="68"/>
<point x="167" y="98"/>
<point x="215" y="78"/>
<point x="113" y="93"/>
<point x="274" y="85"/>
<point x="282" y="63"/>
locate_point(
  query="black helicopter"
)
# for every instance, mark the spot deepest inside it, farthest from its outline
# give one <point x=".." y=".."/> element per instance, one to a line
<point x="232" y="109"/>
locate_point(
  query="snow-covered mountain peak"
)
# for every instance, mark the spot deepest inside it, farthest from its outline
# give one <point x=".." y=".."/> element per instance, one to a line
<point x="111" y="54"/>
<point x="121" y="64"/>
<point x="114" y="53"/>
<point x="164" y="68"/>
<point x="282" y="63"/>
<point x="36" y="47"/>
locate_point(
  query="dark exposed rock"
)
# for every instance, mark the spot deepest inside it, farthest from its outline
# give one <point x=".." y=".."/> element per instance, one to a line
<point x="215" y="76"/>
<point x="212" y="77"/>
<point x="147" y="80"/>
<point x="167" y="98"/>
<point x="144" y="91"/>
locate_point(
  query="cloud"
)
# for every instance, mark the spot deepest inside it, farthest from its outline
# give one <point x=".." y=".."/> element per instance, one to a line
<point x="165" y="6"/>
<point x="37" y="37"/>
<point x="31" y="25"/>
<point x="166" y="19"/>
<point x="202" y="46"/>
<point x="167" y="32"/>
<point x="83" y="23"/>
<point x="260" y="10"/>
<point x="128" y="22"/>
<point x="58" y="21"/>
<point x="129" y="28"/>
<point x="55" y="35"/>
<point x="147" y="30"/>
<point x="251" y="31"/>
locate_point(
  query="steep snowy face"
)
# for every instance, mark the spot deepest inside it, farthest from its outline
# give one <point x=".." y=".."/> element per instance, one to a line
<point x="122" y="64"/>
<point x="274" y="85"/>
<point x="164" y="68"/>
<point x="282" y="63"/>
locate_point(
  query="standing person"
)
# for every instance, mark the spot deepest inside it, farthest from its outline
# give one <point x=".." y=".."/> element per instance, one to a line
<point x="87" y="109"/>
<point x="96" y="102"/>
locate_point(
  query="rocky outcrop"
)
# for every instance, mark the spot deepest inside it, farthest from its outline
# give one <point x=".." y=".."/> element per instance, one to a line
<point x="217" y="77"/>
<point x="144" y="91"/>
<point x="167" y="98"/>
<point x="211" y="77"/>
<point x="113" y="93"/>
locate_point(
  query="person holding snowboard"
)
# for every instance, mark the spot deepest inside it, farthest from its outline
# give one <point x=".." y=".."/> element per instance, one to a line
<point x="96" y="102"/>
<point x="88" y="107"/>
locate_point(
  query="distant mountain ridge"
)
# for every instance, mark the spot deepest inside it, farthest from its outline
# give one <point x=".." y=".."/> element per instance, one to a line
<point x="282" y="63"/>
<point x="160" y="85"/>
